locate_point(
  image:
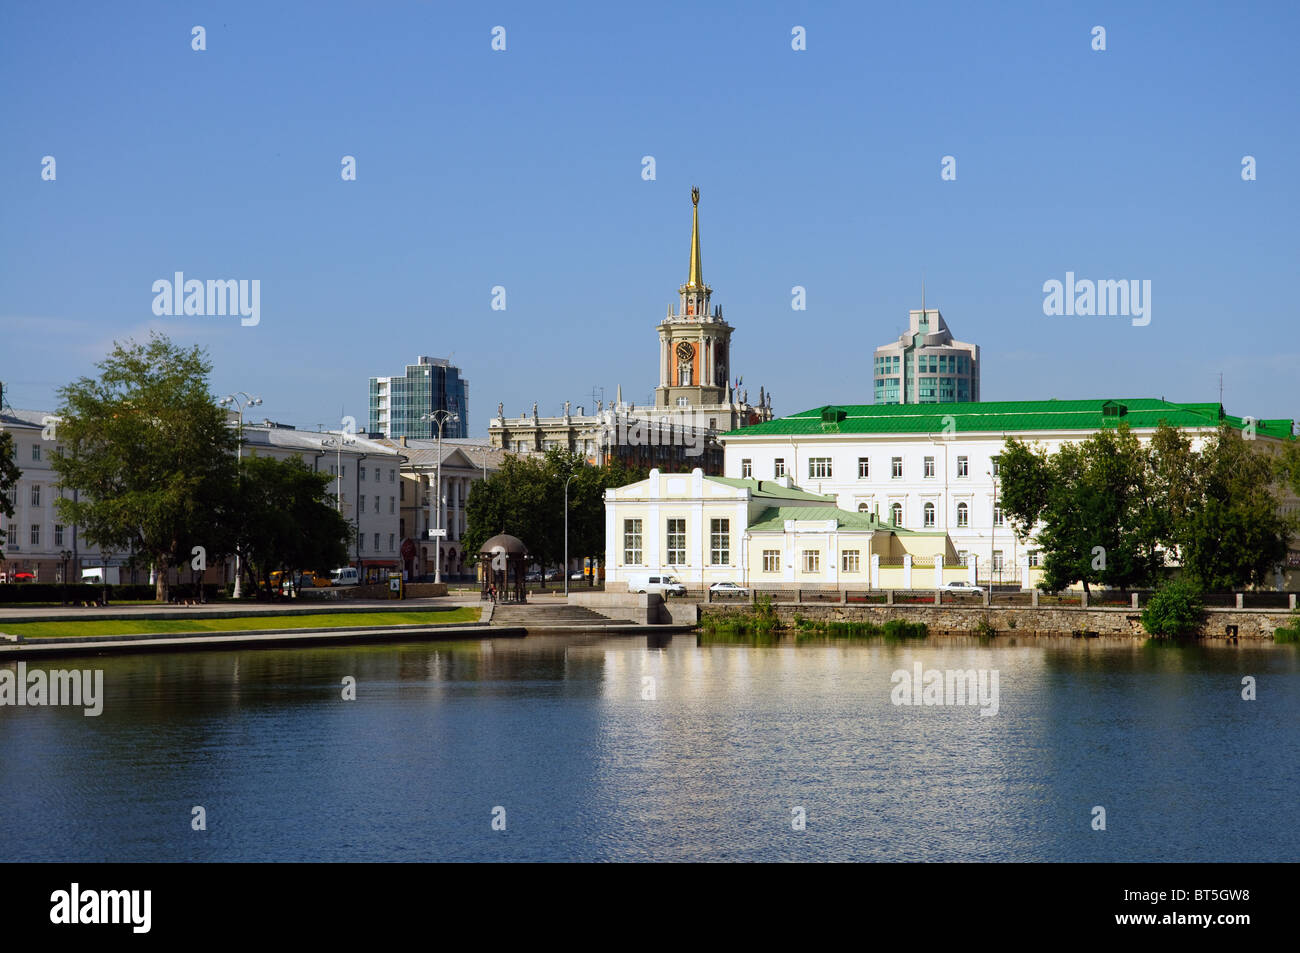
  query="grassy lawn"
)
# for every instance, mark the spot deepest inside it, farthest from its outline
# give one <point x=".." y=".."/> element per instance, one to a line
<point x="326" y="620"/>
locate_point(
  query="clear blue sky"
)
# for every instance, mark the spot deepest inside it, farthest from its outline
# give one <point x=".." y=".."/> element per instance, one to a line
<point x="523" y="169"/>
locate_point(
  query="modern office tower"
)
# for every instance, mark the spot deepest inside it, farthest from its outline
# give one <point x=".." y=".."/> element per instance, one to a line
<point x="926" y="365"/>
<point x="399" y="405"/>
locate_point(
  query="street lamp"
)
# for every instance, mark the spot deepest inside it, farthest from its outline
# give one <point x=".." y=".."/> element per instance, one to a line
<point x="66" y="556"/>
<point x="440" y="417"/>
<point x="566" y="534"/>
<point x="241" y="400"/>
<point x="338" y="443"/>
<point x="993" y="524"/>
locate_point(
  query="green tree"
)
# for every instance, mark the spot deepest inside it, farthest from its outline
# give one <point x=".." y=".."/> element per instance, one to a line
<point x="1090" y="506"/>
<point x="150" y="454"/>
<point x="289" y="522"/>
<point x="1231" y="532"/>
<point x="9" y="474"/>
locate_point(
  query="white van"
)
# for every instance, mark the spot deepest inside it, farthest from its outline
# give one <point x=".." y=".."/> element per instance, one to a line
<point x="662" y="583"/>
<point x="347" y="576"/>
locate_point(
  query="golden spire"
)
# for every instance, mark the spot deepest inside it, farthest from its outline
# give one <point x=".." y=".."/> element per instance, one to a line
<point x="696" y="279"/>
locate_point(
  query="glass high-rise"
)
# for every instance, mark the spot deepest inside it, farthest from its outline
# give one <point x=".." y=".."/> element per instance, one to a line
<point x="926" y="365"/>
<point x="432" y="383"/>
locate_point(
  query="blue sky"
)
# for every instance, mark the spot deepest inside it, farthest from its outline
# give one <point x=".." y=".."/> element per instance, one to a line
<point x="522" y="168"/>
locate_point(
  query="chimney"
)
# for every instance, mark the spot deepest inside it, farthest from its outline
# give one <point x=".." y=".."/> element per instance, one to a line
<point x="403" y="440"/>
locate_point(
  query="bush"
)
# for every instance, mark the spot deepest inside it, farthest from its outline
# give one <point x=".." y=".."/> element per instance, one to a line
<point x="1175" y="610"/>
<point x="1288" y="634"/>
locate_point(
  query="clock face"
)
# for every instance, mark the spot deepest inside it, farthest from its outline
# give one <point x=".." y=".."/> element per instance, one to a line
<point x="685" y="351"/>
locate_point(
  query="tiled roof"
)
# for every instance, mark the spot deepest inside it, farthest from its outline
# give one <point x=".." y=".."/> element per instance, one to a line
<point x="772" y="520"/>
<point x="761" y="489"/>
<point x="1007" y="416"/>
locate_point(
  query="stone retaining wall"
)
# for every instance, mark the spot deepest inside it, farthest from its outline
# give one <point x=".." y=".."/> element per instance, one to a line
<point x="954" y="620"/>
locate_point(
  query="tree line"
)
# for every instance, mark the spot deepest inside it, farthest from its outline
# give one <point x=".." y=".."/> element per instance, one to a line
<point x="1111" y="511"/>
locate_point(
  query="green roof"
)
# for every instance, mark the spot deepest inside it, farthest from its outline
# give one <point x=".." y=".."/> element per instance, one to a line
<point x="1007" y="416"/>
<point x="762" y="489"/>
<point x="772" y="520"/>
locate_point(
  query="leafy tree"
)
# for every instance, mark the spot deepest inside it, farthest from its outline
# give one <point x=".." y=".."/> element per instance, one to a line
<point x="1232" y="533"/>
<point x="1090" y="507"/>
<point x="9" y="474"/>
<point x="150" y="453"/>
<point x="288" y="520"/>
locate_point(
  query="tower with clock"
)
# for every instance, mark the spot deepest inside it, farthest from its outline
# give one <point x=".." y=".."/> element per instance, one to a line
<point x="695" y="344"/>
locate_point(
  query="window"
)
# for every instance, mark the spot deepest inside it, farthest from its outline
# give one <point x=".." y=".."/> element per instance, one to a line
<point x="998" y="519"/>
<point x="343" y="471"/>
<point x="677" y="542"/>
<point x="392" y="476"/>
<point x="377" y="510"/>
<point x="58" y="534"/>
<point x="819" y="468"/>
<point x="363" y="503"/>
<point x="334" y="471"/>
<point x="963" y="514"/>
<point x="36" y="494"/>
<point x="376" y="542"/>
<point x="812" y="560"/>
<point x="1035" y="558"/>
<point x="683" y="402"/>
<point x="864" y="468"/>
<point x="962" y="556"/>
<point x="929" y="468"/>
<point x="997" y="560"/>
<point x="896" y="514"/>
<point x="746" y="468"/>
<point x="392" y="504"/>
<point x="632" y="542"/>
<point x="390" y="542"/>
<point x="401" y="491"/>
<point x="927" y="513"/>
<point x="896" y="468"/>
<point x="362" y="474"/>
<point x="36" y="451"/>
<point x="771" y="560"/>
<point x="719" y="542"/>
<point x="36" y="534"/>
<point x="851" y="560"/>
<point x="11" y="538"/>
<point x="778" y="467"/>
<point x="361" y="542"/>
<point x="963" y="466"/>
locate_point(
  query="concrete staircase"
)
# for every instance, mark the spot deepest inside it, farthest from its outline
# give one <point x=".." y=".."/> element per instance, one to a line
<point x="551" y="615"/>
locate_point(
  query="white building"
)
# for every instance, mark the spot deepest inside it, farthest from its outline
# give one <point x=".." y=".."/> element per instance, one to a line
<point x="934" y="467"/>
<point x="365" y="482"/>
<point x="761" y="534"/>
<point x="35" y="537"/>
<point x="464" y="462"/>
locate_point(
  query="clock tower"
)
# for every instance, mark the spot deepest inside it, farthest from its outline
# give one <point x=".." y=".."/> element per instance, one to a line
<point x="694" y="341"/>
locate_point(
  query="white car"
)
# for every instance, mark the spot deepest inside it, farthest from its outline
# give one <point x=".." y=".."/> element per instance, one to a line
<point x="728" y="589"/>
<point x="965" y="587"/>
<point x="663" y="584"/>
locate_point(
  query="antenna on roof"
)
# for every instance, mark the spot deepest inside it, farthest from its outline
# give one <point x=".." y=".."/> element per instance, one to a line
<point x="1220" y="388"/>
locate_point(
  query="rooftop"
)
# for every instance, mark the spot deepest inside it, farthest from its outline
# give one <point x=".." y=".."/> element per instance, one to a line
<point x="1007" y="416"/>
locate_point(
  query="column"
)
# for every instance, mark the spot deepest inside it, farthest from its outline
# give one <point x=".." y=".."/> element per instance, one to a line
<point x="907" y="571"/>
<point x="938" y="571"/>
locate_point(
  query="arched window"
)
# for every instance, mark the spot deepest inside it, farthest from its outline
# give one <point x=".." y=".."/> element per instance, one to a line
<point x="864" y="507"/>
<point x="963" y="514"/>
<point x="896" y="514"/>
<point x="928" y="514"/>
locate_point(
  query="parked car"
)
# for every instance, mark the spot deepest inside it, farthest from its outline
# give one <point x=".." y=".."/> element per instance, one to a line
<point x="578" y="576"/>
<point x="728" y="589"/>
<point x="661" y="583"/>
<point x="345" y="576"/>
<point x="24" y="577"/>
<point x="554" y="575"/>
<point x="964" y="587"/>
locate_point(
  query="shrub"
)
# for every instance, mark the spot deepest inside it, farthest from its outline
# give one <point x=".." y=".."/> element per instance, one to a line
<point x="1175" y="610"/>
<point x="985" y="629"/>
<point x="1288" y="634"/>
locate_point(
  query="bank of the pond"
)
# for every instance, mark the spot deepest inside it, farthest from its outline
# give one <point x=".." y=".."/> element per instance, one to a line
<point x="1055" y="622"/>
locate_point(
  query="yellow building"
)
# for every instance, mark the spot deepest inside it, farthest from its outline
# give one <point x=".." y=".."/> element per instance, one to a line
<point x="762" y="533"/>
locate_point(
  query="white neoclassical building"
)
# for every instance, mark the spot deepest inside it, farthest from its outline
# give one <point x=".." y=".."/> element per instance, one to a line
<point x="761" y="534"/>
<point x="934" y="467"/>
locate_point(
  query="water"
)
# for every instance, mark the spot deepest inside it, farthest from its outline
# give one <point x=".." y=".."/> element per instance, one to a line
<point x="555" y="731"/>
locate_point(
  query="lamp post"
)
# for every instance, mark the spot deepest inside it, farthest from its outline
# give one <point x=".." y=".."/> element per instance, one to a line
<point x="566" y="535"/>
<point x="440" y="417"/>
<point x="241" y="399"/>
<point x="993" y="525"/>
<point x="66" y="556"/>
<point x="338" y="443"/>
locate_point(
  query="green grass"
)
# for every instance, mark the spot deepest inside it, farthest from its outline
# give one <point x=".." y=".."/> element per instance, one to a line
<point x="328" y="620"/>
